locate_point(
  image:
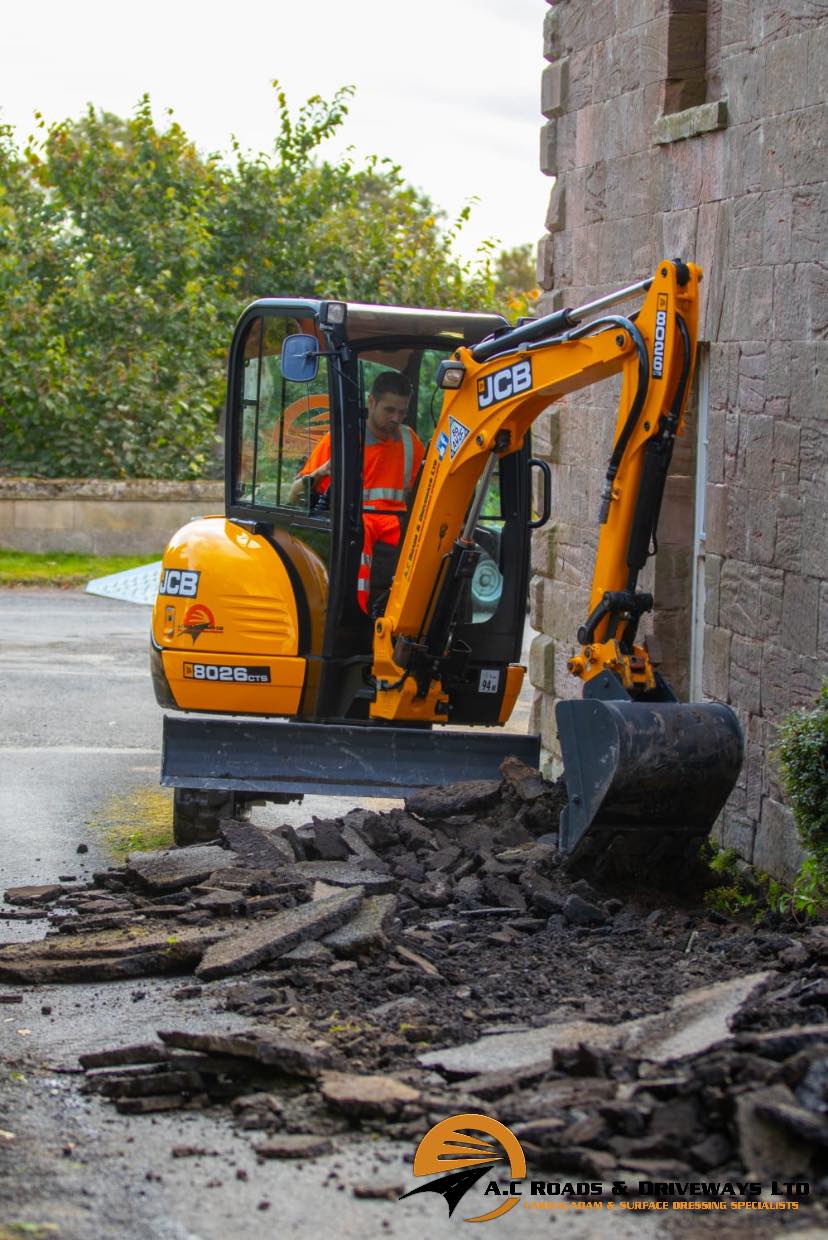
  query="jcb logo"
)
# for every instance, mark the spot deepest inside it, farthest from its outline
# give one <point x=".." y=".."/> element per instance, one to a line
<point x="504" y="383"/>
<point x="660" y="336"/>
<point x="183" y="582"/>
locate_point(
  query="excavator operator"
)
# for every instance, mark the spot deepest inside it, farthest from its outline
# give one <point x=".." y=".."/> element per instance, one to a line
<point x="392" y="458"/>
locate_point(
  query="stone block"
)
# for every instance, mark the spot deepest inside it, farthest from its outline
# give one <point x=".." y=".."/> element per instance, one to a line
<point x="549" y="728"/>
<point x="552" y="34"/>
<point x="716" y="668"/>
<point x="813" y="455"/>
<point x="756" y="432"/>
<point x="584" y="25"/>
<point x="777" y="850"/>
<point x="605" y="75"/>
<point x="800" y="601"/>
<point x="673" y="578"/>
<point x="748" y="303"/>
<point x="544" y="550"/>
<point x="556" y="211"/>
<point x="788" y="680"/>
<point x="595" y="205"/>
<point x="750" y="599"/>
<point x="788" y="552"/>
<point x="738" y="835"/>
<point x="690" y="122"/>
<point x="809" y="216"/>
<point x="809" y="379"/>
<point x="786" y="74"/>
<point x="747" y="224"/>
<point x="678" y="230"/>
<point x="554" y="82"/>
<point x="815" y="544"/>
<point x="744" y="175"/>
<point x="817" y="60"/>
<point x="745" y="667"/>
<point x="583" y="78"/>
<point x="712" y="578"/>
<point x="52" y="516"/>
<point x="777" y="226"/>
<point x="562" y="261"/>
<point x="574" y="554"/>
<point x="567" y="130"/>
<point x="822" y="641"/>
<point x="588" y="136"/>
<point x="542" y="663"/>
<point x="545" y="263"/>
<point x="564" y="608"/>
<point x="743" y="82"/>
<point x="549" y="149"/>
<point x="800" y="301"/>
<point x="760" y="526"/>
<point x="789" y="146"/>
<point x="755" y="464"/>
<point x="585" y="255"/>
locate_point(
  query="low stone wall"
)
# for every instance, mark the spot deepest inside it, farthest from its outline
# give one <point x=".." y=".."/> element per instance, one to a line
<point x="101" y="517"/>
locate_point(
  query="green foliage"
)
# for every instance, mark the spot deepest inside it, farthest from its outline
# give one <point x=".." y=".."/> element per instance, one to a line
<point x="809" y="896"/>
<point x="515" y="281"/>
<point x="803" y="758"/>
<point x="126" y="257"/>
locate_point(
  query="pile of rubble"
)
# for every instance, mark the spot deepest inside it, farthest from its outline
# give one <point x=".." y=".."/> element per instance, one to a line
<point x="394" y="968"/>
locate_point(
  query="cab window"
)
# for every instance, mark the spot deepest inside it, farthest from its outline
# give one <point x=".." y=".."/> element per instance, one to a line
<point x="484" y="591"/>
<point x="278" y="422"/>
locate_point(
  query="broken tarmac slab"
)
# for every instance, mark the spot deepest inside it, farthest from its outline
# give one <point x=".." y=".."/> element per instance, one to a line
<point x="367" y="931"/>
<point x="460" y="798"/>
<point x="347" y="874"/>
<point x="258" y="848"/>
<point x="170" y="869"/>
<point x="694" y="1022"/>
<point x="106" y="956"/>
<point x="262" y="1045"/>
<point x="43" y="894"/>
<point x="272" y="938"/>
<point x="293" y="1145"/>
<point x="366" y="1096"/>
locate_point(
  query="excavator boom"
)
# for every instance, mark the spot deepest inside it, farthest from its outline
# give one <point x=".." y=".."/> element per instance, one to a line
<point x="637" y="763"/>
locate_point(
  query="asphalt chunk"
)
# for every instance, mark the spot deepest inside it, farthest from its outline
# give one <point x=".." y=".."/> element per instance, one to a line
<point x="277" y="935"/>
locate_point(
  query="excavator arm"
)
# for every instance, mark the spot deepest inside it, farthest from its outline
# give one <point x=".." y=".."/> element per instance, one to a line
<point x="646" y="776"/>
<point x="494" y="393"/>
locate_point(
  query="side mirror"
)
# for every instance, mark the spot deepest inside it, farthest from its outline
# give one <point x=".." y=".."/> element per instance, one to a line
<point x="300" y="358"/>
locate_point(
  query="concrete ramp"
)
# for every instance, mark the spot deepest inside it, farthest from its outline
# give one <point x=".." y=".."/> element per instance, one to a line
<point x="134" y="585"/>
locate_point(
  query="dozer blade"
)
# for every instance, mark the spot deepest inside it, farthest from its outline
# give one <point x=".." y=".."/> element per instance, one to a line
<point x="645" y="780"/>
<point x="271" y="757"/>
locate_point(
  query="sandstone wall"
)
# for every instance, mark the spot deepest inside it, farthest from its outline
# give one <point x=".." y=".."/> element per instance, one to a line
<point x="693" y="128"/>
<point x="100" y="517"/>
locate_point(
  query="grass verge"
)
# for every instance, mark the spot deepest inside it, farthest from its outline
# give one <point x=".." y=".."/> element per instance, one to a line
<point x="62" y="569"/>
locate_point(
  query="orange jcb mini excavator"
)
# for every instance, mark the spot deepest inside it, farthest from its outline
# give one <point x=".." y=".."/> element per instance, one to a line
<point x="292" y="689"/>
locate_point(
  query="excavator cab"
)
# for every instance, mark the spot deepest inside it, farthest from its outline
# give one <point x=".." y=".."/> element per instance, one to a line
<point x="257" y="613"/>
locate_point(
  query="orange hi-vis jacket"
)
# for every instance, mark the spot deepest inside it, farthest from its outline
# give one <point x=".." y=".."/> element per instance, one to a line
<point x="388" y="471"/>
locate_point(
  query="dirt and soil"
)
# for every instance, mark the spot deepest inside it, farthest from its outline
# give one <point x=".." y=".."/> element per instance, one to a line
<point x="313" y="999"/>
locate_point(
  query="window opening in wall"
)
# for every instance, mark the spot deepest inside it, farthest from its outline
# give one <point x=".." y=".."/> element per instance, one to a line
<point x="693" y="72"/>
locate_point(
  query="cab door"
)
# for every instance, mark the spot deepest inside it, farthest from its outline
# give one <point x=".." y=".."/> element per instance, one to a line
<point x="273" y="425"/>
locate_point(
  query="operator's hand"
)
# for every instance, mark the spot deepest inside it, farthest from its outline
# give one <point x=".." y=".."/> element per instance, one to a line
<point x="322" y="471"/>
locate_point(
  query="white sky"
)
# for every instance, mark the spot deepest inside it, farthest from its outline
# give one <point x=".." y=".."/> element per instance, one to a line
<point x="448" y="88"/>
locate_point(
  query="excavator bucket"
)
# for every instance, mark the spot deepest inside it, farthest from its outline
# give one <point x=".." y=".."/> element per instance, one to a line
<point x="645" y="781"/>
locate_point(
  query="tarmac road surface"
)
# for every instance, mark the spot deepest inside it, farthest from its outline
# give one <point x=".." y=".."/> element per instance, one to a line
<point x="79" y="754"/>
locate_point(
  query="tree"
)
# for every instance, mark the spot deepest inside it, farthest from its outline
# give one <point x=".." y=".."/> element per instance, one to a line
<point x="126" y="256"/>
